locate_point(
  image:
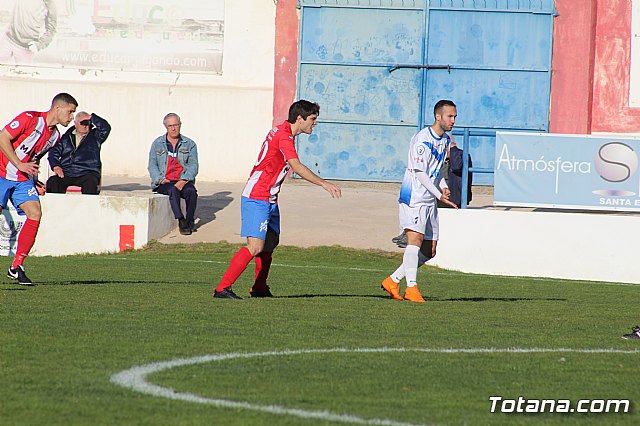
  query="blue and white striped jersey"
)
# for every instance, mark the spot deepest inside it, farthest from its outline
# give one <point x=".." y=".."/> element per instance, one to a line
<point x="427" y="153"/>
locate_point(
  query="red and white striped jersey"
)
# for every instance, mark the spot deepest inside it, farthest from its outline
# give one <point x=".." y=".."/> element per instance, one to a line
<point x="272" y="166"/>
<point x="30" y="136"/>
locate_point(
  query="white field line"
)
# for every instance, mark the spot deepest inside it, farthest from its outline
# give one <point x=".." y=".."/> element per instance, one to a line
<point x="135" y="378"/>
<point x="346" y="268"/>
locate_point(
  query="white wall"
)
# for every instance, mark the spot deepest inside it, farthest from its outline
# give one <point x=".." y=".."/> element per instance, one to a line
<point x="577" y="246"/>
<point x="228" y="116"/>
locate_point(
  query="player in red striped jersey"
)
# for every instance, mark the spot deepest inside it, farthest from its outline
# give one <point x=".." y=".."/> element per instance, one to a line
<point x="259" y="203"/>
<point x="22" y="143"/>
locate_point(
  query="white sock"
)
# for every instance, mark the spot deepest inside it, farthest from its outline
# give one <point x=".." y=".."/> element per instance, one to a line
<point x="410" y="263"/>
<point x="399" y="274"/>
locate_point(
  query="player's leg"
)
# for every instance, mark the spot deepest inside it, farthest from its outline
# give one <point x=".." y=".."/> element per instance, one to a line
<point x="412" y="221"/>
<point x="263" y="259"/>
<point x="25" y="197"/>
<point x="260" y="287"/>
<point x="255" y="218"/>
<point x="427" y="247"/>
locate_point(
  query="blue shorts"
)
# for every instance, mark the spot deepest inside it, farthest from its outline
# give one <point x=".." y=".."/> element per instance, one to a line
<point x="17" y="192"/>
<point x="257" y="217"/>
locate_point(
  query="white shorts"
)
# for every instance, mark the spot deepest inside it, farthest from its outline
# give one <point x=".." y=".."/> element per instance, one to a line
<point x="422" y="219"/>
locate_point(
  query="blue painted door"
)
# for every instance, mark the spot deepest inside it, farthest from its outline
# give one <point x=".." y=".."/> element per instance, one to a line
<point x="376" y="67"/>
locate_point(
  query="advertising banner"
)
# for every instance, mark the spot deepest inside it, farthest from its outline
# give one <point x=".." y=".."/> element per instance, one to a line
<point x="10" y="225"/>
<point x="183" y="36"/>
<point x="566" y="171"/>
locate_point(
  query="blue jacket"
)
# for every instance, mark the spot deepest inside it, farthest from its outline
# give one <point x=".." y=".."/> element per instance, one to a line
<point x="78" y="161"/>
<point x="159" y="158"/>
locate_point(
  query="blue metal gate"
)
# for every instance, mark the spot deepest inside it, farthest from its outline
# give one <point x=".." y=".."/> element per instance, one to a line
<point x="376" y="67"/>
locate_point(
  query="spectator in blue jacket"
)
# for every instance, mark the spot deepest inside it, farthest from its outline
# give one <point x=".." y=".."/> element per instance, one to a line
<point x="75" y="160"/>
<point x="173" y="166"/>
<point x="456" y="157"/>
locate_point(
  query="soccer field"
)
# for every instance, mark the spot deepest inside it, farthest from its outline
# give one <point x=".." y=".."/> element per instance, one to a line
<point x="136" y="339"/>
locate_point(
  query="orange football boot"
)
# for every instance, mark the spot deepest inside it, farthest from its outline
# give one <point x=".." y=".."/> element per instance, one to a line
<point x="413" y="294"/>
<point x="391" y="287"/>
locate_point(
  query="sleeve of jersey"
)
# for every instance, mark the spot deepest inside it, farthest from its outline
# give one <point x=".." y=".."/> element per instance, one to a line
<point x="423" y="178"/>
<point x="17" y="125"/>
<point x="288" y="148"/>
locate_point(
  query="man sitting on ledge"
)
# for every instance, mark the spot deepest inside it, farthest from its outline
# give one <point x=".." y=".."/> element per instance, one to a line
<point x="173" y="166"/>
<point x="75" y="160"/>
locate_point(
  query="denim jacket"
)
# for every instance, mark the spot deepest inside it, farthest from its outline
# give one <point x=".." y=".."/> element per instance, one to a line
<point x="159" y="158"/>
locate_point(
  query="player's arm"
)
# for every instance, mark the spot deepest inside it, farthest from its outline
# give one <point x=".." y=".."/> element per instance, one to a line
<point x="423" y="178"/>
<point x="442" y="184"/>
<point x="306" y="174"/>
<point x="7" y="149"/>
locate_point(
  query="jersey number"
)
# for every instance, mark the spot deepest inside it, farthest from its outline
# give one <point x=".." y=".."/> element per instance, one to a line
<point x="263" y="152"/>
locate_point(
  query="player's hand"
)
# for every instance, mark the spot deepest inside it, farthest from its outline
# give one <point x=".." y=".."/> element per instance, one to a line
<point x="332" y="189"/>
<point x="58" y="171"/>
<point x="30" y="169"/>
<point x="41" y="188"/>
<point x="33" y="47"/>
<point x="448" y="203"/>
<point x="446" y="193"/>
<point x="180" y="184"/>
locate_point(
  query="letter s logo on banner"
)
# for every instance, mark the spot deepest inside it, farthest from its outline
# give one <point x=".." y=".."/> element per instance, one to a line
<point x="616" y="162"/>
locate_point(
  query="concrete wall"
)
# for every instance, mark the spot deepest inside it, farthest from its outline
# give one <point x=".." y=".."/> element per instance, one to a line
<point x="228" y="115"/>
<point x="107" y="223"/>
<point x="577" y="246"/>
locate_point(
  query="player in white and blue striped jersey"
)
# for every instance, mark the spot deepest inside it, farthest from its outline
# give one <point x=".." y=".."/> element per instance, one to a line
<point x="419" y="195"/>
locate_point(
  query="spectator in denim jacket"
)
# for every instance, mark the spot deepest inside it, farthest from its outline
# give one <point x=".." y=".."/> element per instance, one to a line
<point x="173" y="166"/>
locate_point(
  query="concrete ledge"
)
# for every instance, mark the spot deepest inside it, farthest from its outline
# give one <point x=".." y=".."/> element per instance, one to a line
<point x="576" y="246"/>
<point x="76" y="223"/>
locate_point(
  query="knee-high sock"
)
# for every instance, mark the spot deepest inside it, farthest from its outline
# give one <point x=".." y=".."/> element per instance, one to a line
<point x="236" y="267"/>
<point x="26" y="239"/>
<point x="410" y="262"/>
<point x="399" y="274"/>
<point x="263" y="263"/>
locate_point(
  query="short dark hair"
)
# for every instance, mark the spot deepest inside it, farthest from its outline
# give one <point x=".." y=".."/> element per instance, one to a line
<point x="303" y="109"/>
<point x="441" y="104"/>
<point x="64" y="98"/>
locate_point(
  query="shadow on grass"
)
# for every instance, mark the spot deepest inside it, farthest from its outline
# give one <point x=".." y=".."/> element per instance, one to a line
<point x="496" y="299"/>
<point x="103" y="282"/>
<point x="428" y="299"/>
<point x="309" y="296"/>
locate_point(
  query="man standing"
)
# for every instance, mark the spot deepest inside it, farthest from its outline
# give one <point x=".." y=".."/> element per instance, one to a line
<point x="31" y="29"/>
<point x="22" y="141"/>
<point x="259" y="202"/>
<point x="173" y="166"/>
<point x="75" y="160"/>
<point x="456" y="158"/>
<point x="418" y="199"/>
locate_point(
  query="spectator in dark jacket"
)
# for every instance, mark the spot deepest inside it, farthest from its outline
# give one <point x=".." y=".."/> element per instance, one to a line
<point x="455" y="174"/>
<point x="75" y="160"/>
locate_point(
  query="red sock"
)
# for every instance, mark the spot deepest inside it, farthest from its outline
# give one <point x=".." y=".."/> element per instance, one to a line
<point x="263" y="263"/>
<point x="237" y="266"/>
<point x="26" y="239"/>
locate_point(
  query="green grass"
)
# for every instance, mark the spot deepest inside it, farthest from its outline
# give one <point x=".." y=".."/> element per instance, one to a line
<point x="93" y="316"/>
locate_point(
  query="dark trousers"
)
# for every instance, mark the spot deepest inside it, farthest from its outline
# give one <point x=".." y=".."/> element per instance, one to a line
<point x="88" y="183"/>
<point x="189" y="194"/>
